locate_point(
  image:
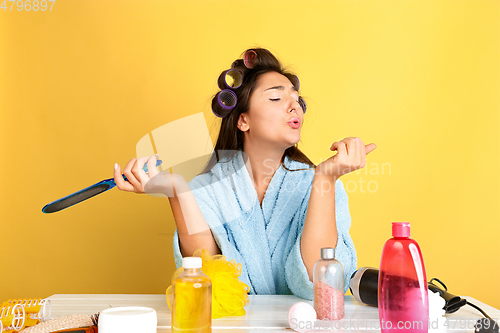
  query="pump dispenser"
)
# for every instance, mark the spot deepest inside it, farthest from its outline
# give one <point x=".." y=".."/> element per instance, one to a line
<point x="328" y="280"/>
<point x="403" y="300"/>
<point x="192" y="299"/>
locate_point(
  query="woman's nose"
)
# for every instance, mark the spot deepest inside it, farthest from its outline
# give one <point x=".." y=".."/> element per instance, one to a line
<point x="294" y="106"/>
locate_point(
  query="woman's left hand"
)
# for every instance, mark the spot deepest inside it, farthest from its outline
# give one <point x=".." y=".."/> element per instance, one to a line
<point x="351" y="156"/>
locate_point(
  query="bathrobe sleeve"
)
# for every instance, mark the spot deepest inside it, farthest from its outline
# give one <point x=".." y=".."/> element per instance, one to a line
<point x="213" y="213"/>
<point x="224" y="240"/>
<point x="220" y="235"/>
<point x="212" y="219"/>
<point x="295" y="270"/>
<point x="296" y="275"/>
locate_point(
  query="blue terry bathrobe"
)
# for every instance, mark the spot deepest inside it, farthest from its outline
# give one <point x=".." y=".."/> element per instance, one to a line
<point x="266" y="239"/>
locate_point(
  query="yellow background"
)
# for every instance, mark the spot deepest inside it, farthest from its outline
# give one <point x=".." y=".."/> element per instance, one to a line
<point x="80" y="85"/>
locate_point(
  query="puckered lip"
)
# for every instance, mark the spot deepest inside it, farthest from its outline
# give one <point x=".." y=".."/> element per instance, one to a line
<point x="295" y="120"/>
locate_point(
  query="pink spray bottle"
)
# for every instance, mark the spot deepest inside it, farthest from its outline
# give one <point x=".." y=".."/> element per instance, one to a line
<point x="403" y="301"/>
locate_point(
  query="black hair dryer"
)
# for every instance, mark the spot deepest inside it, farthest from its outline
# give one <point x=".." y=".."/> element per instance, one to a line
<point x="364" y="288"/>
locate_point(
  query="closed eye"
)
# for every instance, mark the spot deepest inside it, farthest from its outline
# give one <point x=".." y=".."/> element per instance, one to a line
<point x="275" y="99"/>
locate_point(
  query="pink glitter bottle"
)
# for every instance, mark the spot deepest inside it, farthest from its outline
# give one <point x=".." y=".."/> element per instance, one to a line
<point x="403" y="302"/>
<point x="328" y="277"/>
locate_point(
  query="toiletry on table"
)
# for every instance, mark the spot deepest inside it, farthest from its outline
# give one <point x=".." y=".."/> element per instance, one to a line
<point x="328" y="280"/>
<point x="192" y="299"/>
<point x="403" y="300"/>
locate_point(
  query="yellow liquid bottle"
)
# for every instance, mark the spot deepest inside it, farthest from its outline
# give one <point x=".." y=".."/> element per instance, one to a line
<point x="192" y="301"/>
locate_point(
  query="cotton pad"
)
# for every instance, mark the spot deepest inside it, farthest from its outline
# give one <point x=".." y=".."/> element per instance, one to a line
<point x="301" y="317"/>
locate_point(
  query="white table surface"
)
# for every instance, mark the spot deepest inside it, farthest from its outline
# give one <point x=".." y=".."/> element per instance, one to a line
<point x="264" y="313"/>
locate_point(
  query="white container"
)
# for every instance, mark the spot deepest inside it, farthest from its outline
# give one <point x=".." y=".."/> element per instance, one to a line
<point x="130" y="319"/>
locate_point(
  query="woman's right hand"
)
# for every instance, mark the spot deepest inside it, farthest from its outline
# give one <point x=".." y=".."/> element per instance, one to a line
<point x="137" y="178"/>
<point x="153" y="182"/>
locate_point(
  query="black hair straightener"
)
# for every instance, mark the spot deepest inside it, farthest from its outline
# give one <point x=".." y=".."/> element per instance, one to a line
<point x="364" y="288"/>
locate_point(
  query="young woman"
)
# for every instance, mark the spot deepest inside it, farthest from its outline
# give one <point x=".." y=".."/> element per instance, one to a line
<point x="260" y="200"/>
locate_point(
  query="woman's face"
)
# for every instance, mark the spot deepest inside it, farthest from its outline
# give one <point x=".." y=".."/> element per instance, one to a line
<point x="274" y="116"/>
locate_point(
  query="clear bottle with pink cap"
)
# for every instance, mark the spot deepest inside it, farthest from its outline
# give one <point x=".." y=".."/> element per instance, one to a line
<point x="403" y="301"/>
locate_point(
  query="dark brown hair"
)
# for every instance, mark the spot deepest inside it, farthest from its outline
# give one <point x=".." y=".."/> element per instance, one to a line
<point x="230" y="136"/>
